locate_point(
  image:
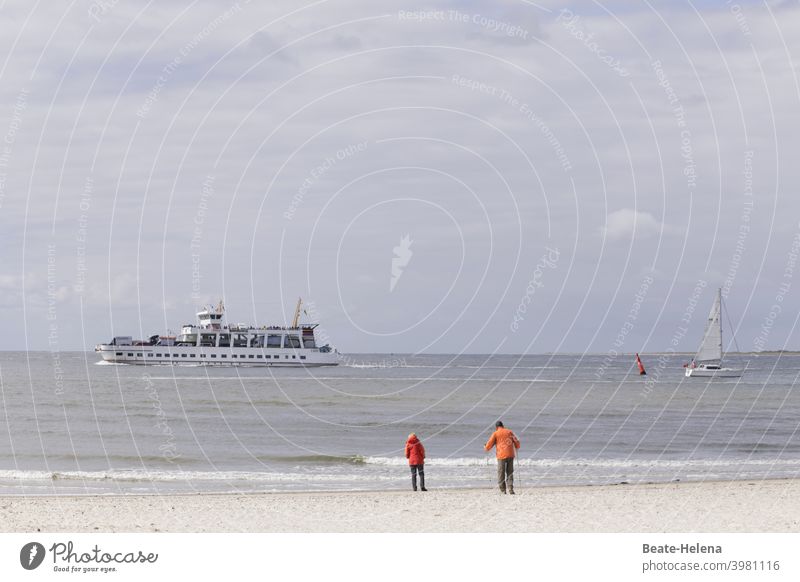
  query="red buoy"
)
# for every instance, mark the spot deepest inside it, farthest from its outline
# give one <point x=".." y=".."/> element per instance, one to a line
<point x="641" y="366"/>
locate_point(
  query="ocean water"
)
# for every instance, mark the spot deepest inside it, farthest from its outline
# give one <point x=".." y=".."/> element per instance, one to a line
<point x="69" y="425"/>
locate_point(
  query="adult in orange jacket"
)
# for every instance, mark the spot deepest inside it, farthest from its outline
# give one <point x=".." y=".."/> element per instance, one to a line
<point x="415" y="453"/>
<point x="506" y="445"/>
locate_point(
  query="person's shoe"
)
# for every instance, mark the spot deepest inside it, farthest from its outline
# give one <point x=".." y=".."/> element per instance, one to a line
<point x="423" y="489"/>
<point x="415" y="488"/>
<point x="511" y="493"/>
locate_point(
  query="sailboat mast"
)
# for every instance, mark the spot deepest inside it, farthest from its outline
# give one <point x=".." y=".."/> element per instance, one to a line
<point x="719" y="298"/>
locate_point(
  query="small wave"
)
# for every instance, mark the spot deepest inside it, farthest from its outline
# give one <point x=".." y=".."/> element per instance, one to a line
<point x="322" y="459"/>
<point x="452" y="366"/>
<point x="587" y="467"/>
<point x="589" y="463"/>
<point x="350" y="379"/>
<point x="464" y="461"/>
<point x="755" y="448"/>
<point x="135" y="475"/>
<point x="501" y="367"/>
<point x="378" y="365"/>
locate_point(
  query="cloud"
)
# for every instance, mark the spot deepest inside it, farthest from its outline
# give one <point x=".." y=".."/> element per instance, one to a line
<point x="627" y="223"/>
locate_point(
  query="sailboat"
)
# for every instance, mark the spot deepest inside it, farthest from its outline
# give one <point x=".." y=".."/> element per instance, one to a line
<point x="707" y="363"/>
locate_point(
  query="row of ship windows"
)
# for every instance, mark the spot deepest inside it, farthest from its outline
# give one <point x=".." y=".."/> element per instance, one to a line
<point x="175" y="356"/>
<point x="243" y="340"/>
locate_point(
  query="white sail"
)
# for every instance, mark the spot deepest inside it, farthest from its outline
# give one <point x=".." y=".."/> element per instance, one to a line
<point x="711" y="348"/>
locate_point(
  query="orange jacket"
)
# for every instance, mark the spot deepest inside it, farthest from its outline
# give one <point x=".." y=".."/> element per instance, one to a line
<point x="506" y="443"/>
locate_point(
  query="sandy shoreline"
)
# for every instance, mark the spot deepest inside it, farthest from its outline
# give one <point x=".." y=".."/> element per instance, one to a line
<point x="726" y="506"/>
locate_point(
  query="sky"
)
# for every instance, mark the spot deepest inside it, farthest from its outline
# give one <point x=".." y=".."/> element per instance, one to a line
<point x="444" y="177"/>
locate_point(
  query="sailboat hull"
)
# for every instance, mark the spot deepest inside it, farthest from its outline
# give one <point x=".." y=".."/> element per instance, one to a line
<point x="713" y="372"/>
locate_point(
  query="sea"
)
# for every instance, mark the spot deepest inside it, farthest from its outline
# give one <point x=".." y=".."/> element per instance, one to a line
<point x="71" y="425"/>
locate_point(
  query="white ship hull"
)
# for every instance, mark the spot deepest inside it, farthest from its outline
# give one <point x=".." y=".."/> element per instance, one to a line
<point x="195" y="355"/>
<point x="713" y="372"/>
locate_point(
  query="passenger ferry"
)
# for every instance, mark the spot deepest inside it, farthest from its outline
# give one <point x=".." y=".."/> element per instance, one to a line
<point x="212" y="342"/>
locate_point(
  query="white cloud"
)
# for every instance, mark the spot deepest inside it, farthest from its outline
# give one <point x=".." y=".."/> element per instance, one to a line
<point x="627" y="223"/>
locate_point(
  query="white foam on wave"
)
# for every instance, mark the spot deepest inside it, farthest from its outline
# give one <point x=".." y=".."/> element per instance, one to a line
<point x="164" y="476"/>
<point x="593" y="463"/>
<point x="567" y="468"/>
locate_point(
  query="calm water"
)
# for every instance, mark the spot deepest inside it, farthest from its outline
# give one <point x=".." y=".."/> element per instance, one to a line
<point x="69" y="425"/>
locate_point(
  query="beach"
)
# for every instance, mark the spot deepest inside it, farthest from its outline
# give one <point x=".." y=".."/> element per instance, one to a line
<point x="719" y="506"/>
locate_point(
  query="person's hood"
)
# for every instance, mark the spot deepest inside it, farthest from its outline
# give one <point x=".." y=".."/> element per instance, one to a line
<point x="413" y="440"/>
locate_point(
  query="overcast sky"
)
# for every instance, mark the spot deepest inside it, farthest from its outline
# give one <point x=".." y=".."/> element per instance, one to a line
<point x="458" y="176"/>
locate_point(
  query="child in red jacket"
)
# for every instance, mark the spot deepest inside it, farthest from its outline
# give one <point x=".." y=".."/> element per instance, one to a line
<point x="415" y="453"/>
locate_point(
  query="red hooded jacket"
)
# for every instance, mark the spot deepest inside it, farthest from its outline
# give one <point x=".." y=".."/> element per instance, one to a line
<point x="415" y="452"/>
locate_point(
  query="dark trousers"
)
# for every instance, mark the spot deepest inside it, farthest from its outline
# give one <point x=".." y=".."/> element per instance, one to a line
<point x="414" y="470"/>
<point x="505" y="474"/>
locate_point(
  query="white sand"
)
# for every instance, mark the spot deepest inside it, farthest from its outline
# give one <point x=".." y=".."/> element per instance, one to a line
<point x="747" y="506"/>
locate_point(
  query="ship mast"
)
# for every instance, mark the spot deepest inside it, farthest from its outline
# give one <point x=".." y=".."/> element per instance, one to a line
<point x="296" y="318"/>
